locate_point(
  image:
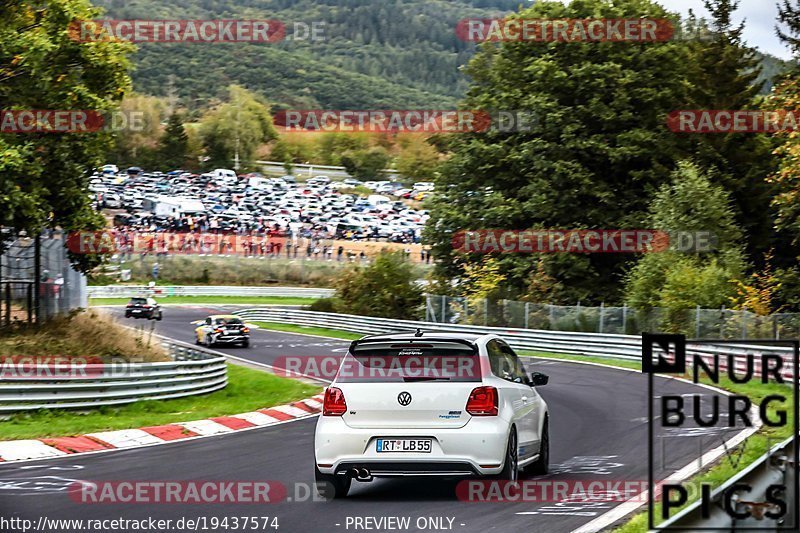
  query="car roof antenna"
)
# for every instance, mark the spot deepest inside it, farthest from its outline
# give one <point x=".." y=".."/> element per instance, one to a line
<point x="418" y="333"/>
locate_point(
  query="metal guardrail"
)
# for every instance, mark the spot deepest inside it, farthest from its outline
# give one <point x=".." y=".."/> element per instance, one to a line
<point x="311" y="170"/>
<point x="128" y="291"/>
<point x="568" y="342"/>
<point x="58" y="386"/>
<point x="774" y="468"/>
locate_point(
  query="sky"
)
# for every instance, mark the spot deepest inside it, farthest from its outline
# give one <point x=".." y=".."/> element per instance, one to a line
<point x="760" y="19"/>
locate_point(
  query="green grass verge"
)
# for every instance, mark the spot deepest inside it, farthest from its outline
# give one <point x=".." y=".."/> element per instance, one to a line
<point x="231" y="300"/>
<point x="612" y="361"/>
<point x="247" y="390"/>
<point x="308" y="330"/>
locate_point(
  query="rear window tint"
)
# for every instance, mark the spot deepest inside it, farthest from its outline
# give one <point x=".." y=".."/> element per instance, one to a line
<point x="138" y="300"/>
<point x="402" y="363"/>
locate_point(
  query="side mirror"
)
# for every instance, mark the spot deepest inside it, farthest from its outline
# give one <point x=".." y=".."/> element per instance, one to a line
<point x="538" y="379"/>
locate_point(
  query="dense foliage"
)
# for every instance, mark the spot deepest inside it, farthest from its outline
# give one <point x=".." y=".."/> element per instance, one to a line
<point x="43" y="176"/>
<point x="385" y="288"/>
<point x="600" y="156"/>
<point x="396" y="53"/>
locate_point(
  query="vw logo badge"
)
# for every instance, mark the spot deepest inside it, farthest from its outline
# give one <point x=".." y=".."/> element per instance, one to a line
<point x="404" y="398"/>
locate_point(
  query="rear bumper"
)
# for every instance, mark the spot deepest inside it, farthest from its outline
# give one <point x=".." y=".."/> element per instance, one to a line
<point x="410" y="468"/>
<point x="230" y="339"/>
<point x="479" y="448"/>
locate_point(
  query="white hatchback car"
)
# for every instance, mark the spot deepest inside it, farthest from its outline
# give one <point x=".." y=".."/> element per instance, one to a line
<point x="416" y="404"/>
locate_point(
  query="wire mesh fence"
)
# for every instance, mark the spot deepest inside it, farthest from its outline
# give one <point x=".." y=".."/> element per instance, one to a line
<point x="697" y="323"/>
<point x="36" y="280"/>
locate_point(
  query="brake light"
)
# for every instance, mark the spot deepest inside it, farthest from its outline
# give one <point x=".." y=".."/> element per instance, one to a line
<point x="146" y="306"/>
<point x="334" y="404"/>
<point x="218" y="330"/>
<point x="245" y="330"/>
<point x="482" y="402"/>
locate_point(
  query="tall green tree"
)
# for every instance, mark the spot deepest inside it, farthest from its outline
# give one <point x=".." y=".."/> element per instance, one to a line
<point x="239" y="126"/>
<point x="679" y="280"/>
<point x="596" y="152"/>
<point x="366" y="164"/>
<point x="43" y="176"/>
<point x="138" y="146"/>
<point x="789" y="14"/>
<point x="174" y="146"/>
<point x="725" y="74"/>
<point x="386" y="288"/>
<point x="418" y="159"/>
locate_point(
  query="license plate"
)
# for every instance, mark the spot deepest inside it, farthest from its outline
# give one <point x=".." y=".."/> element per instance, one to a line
<point x="404" y="445"/>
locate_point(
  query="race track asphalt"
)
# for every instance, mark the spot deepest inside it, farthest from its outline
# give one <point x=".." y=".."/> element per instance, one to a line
<point x="599" y="432"/>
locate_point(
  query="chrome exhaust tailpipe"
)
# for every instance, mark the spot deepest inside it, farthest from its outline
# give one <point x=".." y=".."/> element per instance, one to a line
<point x="364" y="475"/>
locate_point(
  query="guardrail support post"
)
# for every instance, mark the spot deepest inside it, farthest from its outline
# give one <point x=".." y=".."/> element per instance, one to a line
<point x="527" y="310"/>
<point x="744" y="322"/>
<point x="602" y="316"/>
<point x="37" y="280"/>
<point x="697" y="322"/>
<point x="624" y="319"/>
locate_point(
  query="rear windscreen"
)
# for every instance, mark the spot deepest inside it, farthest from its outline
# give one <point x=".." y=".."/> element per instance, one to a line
<point x="403" y="363"/>
<point x="138" y="301"/>
<point x="229" y="321"/>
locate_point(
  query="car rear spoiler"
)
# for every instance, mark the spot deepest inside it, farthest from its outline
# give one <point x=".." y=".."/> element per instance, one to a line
<point x="419" y="340"/>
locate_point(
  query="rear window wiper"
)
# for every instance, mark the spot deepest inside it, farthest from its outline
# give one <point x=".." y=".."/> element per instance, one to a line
<point x="408" y="379"/>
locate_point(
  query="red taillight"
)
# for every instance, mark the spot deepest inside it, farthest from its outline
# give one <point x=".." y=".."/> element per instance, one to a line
<point x="146" y="306"/>
<point x="482" y="402"/>
<point x="334" y="404"/>
<point x="245" y="330"/>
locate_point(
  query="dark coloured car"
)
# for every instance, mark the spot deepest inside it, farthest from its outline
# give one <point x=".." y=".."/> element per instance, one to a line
<point x="141" y="307"/>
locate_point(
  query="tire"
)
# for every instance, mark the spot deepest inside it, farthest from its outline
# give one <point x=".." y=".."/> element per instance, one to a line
<point x="542" y="465"/>
<point x="209" y="342"/>
<point x="197" y="340"/>
<point x="245" y="344"/>
<point x="160" y="316"/>
<point x="331" y="486"/>
<point x="510" y="471"/>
